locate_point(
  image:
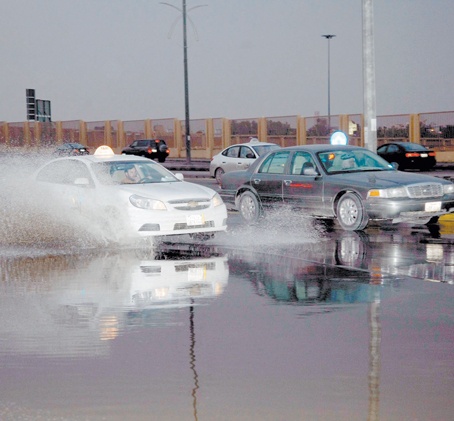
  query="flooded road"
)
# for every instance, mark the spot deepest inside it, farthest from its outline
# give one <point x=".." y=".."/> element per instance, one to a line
<point x="330" y="327"/>
<point x="288" y="320"/>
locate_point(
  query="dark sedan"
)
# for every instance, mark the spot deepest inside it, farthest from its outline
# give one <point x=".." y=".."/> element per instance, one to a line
<point x="71" y="149"/>
<point x="149" y="148"/>
<point x="408" y="155"/>
<point x="345" y="183"/>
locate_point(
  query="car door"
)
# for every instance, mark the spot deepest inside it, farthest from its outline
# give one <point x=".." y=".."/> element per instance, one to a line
<point x="393" y="154"/>
<point x="303" y="185"/>
<point x="246" y="158"/>
<point x="269" y="178"/>
<point x="71" y="183"/>
<point x="230" y="160"/>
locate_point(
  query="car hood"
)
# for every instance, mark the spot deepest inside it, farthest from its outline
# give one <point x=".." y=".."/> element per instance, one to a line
<point x="170" y="191"/>
<point x="384" y="179"/>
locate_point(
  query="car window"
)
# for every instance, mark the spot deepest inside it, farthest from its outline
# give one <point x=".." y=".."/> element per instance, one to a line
<point x="352" y="160"/>
<point x="142" y="143"/>
<point x="301" y="160"/>
<point x="414" y="147"/>
<point x="382" y="149"/>
<point x="245" y="150"/>
<point x="392" y="149"/>
<point x="232" y="152"/>
<point x="64" y="172"/>
<point x="275" y="163"/>
<point x="115" y="172"/>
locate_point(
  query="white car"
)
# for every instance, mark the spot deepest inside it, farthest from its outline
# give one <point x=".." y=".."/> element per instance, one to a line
<point x="132" y="196"/>
<point x="238" y="157"/>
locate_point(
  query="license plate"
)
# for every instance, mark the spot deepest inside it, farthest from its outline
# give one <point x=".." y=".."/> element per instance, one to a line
<point x="432" y="206"/>
<point x="423" y="155"/>
<point x="195" y="220"/>
<point x="196" y="274"/>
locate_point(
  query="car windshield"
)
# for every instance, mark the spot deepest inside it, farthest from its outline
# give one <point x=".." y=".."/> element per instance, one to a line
<point x="352" y="160"/>
<point x="132" y="172"/>
<point x="263" y="149"/>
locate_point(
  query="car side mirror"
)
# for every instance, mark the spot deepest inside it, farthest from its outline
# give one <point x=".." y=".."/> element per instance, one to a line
<point x="250" y="155"/>
<point x="180" y="176"/>
<point x="394" y="165"/>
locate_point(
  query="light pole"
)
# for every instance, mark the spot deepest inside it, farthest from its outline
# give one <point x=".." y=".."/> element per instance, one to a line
<point x="328" y="37"/>
<point x="186" y="79"/>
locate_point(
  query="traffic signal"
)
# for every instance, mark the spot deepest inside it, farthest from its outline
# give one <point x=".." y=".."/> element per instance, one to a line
<point x="31" y="104"/>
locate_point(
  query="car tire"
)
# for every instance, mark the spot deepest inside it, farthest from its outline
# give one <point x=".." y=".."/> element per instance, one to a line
<point x="249" y="207"/>
<point x="162" y="159"/>
<point x="351" y="214"/>
<point x="218" y="174"/>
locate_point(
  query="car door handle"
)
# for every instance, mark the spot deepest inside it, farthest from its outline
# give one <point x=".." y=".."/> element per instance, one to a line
<point x="287" y="182"/>
<point x="256" y="180"/>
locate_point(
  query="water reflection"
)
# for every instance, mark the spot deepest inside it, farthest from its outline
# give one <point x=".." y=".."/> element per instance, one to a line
<point x="68" y="305"/>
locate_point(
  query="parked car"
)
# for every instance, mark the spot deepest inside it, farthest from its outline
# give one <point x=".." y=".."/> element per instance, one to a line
<point x="408" y="155"/>
<point x="71" y="149"/>
<point x="345" y="183"/>
<point x="137" y="196"/>
<point x="238" y="157"/>
<point x="149" y="148"/>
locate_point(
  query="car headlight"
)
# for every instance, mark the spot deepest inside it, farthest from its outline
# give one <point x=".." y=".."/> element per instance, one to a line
<point x="448" y="188"/>
<point x="146" y="203"/>
<point x="216" y="200"/>
<point x="392" y="193"/>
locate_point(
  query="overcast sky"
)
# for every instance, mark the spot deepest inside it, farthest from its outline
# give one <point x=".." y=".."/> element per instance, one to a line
<point x="123" y="59"/>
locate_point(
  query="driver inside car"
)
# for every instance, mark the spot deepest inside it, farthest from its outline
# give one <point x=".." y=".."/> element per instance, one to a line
<point x="131" y="175"/>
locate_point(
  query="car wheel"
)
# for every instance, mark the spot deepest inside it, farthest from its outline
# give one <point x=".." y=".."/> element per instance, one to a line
<point x="350" y="213"/>
<point x="162" y="159"/>
<point x="218" y="174"/>
<point x="249" y="207"/>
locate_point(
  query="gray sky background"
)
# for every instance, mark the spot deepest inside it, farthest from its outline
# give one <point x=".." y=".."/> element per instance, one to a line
<point x="113" y="59"/>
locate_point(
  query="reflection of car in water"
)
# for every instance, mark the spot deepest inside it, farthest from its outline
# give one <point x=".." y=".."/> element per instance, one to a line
<point x="298" y="281"/>
<point x="346" y="267"/>
<point x="73" y="304"/>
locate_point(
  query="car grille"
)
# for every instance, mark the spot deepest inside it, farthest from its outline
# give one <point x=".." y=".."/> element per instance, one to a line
<point x="192" y="204"/>
<point x="183" y="226"/>
<point x="425" y="190"/>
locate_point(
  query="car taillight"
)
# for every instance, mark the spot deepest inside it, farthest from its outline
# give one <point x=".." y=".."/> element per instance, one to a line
<point x="150" y="150"/>
<point x="412" y="155"/>
<point x="432" y="153"/>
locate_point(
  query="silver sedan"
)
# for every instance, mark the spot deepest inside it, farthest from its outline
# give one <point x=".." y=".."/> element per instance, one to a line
<point x="238" y="157"/>
<point x="345" y="183"/>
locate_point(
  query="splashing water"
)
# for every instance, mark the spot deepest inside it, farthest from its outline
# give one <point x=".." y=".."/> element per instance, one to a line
<point x="36" y="216"/>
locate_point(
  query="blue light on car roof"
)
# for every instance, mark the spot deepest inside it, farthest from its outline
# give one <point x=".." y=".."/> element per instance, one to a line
<point x="338" y="138"/>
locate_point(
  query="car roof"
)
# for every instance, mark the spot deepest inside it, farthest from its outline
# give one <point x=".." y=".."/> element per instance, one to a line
<point x="109" y="158"/>
<point x="399" y="142"/>
<point x="253" y="144"/>
<point x="322" y="148"/>
<point x="149" y="140"/>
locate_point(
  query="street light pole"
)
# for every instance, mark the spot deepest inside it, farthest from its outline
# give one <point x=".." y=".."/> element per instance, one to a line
<point x="328" y="37"/>
<point x="186" y="79"/>
<point x="186" y="88"/>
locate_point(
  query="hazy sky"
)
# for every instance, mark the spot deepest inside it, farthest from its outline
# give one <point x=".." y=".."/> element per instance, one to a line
<point x="123" y="59"/>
